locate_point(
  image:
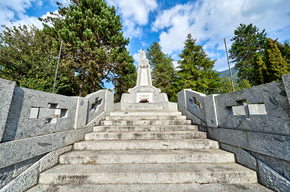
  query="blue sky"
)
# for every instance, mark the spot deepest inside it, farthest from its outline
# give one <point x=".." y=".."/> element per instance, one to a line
<point x="169" y="21"/>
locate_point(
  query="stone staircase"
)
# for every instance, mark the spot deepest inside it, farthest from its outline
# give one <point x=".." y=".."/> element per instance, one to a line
<point x="147" y="151"/>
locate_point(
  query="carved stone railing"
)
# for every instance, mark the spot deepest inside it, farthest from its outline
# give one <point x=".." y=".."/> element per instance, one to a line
<point x="253" y="123"/>
<point x="36" y="127"/>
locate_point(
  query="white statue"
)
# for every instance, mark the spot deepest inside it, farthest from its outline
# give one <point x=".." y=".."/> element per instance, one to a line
<point x="143" y="54"/>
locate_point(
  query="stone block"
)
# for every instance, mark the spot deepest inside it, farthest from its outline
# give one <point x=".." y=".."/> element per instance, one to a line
<point x="74" y="136"/>
<point x="280" y="166"/>
<point x="197" y="110"/>
<point x="272" y="179"/>
<point x="10" y="172"/>
<point x="24" y="181"/>
<point x="286" y="82"/>
<point x="271" y="145"/>
<point x="233" y="137"/>
<point x="97" y="119"/>
<point x="20" y="150"/>
<point x="109" y="102"/>
<point x="117" y="106"/>
<point x="81" y="112"/>
<point x="6" y="92"/>
<point x="272" y="109"/>
<point x="182" y="101"/>
<point x="210" y="110"/>
<point x="100" y="97"/>
<point x="51" y="159"/>
<point x="19" y="124"/>
<point x="194" y="120"/>
<point x="241" y="156"/>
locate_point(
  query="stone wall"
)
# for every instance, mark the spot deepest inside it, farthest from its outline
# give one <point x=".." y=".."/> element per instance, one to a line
<point x="252" y="123"/>
<point x="36" y="127"/>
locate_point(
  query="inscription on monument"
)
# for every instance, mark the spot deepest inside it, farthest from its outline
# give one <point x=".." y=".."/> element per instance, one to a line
<point x="143" y="96"/>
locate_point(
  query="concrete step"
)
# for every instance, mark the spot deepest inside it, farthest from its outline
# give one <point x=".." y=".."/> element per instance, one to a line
<point x="145" y="128"/>
<point x="153" y="188"/>
<point x="145" y="135"/>
<point x="143" y="106"/>
<point x="230" y="173"/>
<point x="146" y="144"/>
<point x="146" y="113"/>
<point x="146" y="122"/>
<point x="144" y="117"/>
<point x="147" y="156"/>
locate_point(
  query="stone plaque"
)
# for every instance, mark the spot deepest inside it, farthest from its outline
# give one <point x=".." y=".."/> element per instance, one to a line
<point x="142" y="96"/>
<point x="144" y="78"/>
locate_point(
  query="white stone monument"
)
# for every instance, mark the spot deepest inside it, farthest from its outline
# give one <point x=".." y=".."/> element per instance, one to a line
<point x="144" y="91"/>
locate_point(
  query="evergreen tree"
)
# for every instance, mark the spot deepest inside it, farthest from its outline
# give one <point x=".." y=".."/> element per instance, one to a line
<point x="125" y="74"/>
<point x="92" y="34"/>
<point x="247" y="42"/>
<point x="163" y="71"/>
<point x="260" y="70"/>
<point x="26" y="57"/>
<point x="285" y="51"/>
<point x="196" y="69"/>
<point x="226" y="85"/>
<point x="275" y="63"/>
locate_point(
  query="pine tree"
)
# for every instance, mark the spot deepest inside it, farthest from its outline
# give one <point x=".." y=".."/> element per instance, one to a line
<point x="125" y="74"/>
<point x="248" y="41"/>
<point x="163" y="71"/>
<point x="92" y="34"/>
<point x="196" y="69"/>
<point x="275" y="63"/>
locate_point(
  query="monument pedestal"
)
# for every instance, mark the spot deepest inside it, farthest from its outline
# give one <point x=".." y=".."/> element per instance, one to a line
<point x="144" y="91"/>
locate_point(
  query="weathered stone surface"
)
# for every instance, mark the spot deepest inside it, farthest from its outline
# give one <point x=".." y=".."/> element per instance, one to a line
<point x="229" y="136"/>
<point x="74" y="136"/>
<point x="231" y="173"/>
<point x="51" y="159"/>
<point x="145" y="122"/>
<point x="241" y="156"/>
<point x="6" y="92"/>
<point x="98" y="98"/>
<point x="109" y="102"/>
<point x="9" y="173"/>
<point x="81" y="112"/>
<point x="146" y="145"/>
<point x="268" y="144"/>
<point x="194" y="119"/>
<point x="147" y="156"/>
<point x="286" y="82"/>
<point x="210" y="110"/>
<point x="16" y="151"/>
<point x="145" y="135"/>
<point x="19" y="124"/>
<point x="272" y="179"/>
<point x="154" y="187"/>
<point x="272" y="95"/>
<point x="24" y="181"/>
<point x="146" y="128"/>
<point x="97" y="119"/>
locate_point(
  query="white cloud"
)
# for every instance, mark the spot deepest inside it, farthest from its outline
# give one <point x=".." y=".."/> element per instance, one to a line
<point x="15" y="10"/>
<point x="211" y="21"/>
<point x="134" y="13"/>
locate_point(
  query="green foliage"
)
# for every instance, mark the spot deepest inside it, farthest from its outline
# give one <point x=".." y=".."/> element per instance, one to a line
<point x="196" y="70"/>
<point x="93" y="37"/>
<point x="247" y="42"/>
<point x="275" y="63"/>
<point x="26" y="57"/>
<point x="125" y="74"/>
<point x="226" y="85"/>
<point x="163" y="71"/>
<point x="260" y="70"/>
<point x="285" y="50"/>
